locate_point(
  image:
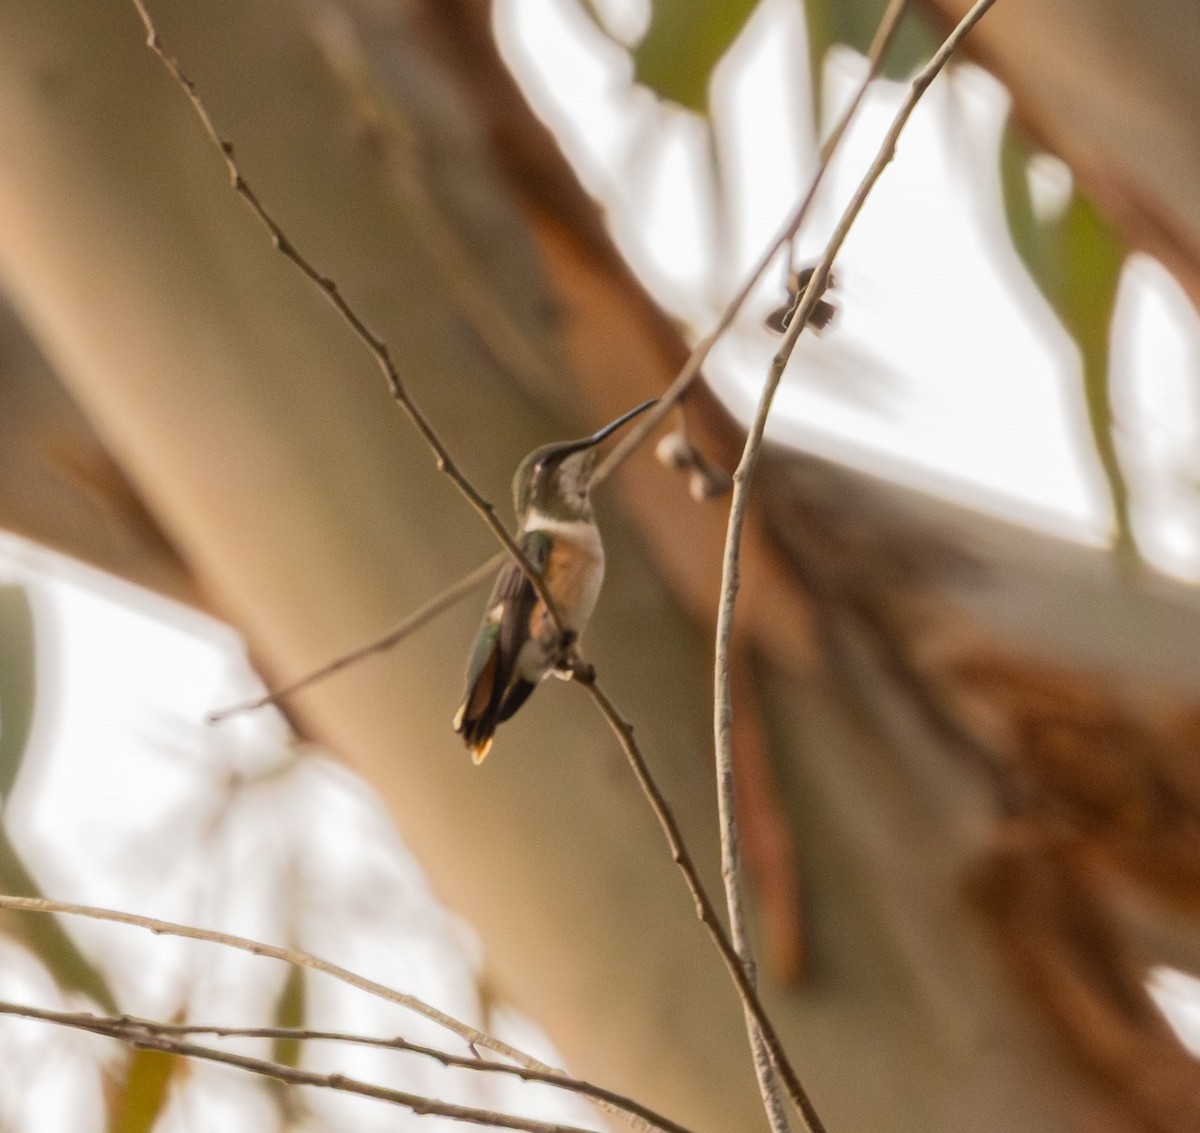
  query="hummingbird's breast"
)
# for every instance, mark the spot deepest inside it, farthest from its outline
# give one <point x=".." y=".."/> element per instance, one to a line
<point x="574" y="568"/>
<point x="573" y="573"/>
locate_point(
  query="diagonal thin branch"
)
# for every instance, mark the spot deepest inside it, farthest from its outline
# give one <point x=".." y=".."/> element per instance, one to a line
<point x="419" y="618"/>
<point x="139" y="1036"/>
<point x="889" y="24"/>
<point x="722" y="694"/>
<point x="293" y="956"/>
<point x="650" y="420"/>
<point x="297" y="958"/>
<point x="462" y="1062"/>
<point x="377" y="347"/>
<point x="705" y="910"/>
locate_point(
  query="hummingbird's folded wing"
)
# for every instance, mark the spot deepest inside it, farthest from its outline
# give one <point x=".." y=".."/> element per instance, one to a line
<point x="495" y="689"/>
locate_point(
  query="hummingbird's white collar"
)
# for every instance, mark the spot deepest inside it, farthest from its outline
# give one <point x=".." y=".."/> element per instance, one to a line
<point x="577" y="531"/>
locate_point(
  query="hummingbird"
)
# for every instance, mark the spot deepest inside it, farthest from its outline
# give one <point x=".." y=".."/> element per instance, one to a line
<point x="518" y="644"/>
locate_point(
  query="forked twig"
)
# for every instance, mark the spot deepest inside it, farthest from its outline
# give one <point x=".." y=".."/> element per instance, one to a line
<point x="607" y="1098"/>
<point x="472" y="1036"/>
<point x="294" y="956"/>
<point x="722" y="691"/>
<point x="705" y="910"/>
<point x="146" y="1038"/>
<point x="641" y="429"/>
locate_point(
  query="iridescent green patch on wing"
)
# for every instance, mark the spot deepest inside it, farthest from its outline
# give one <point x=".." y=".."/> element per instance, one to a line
<point x="485" y="646"/>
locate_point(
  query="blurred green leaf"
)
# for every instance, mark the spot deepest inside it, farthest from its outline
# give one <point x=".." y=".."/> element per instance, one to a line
<point x="42" y="935"/>
<point x="140" y="1099"/>
<point x="17" y="683"/>
<point x="45" y="937"/>
<point x="291" y="1009"/>
<point x="683" y="44"/>
<point x="1075" y="259"/>
<point x="854" y="23"/>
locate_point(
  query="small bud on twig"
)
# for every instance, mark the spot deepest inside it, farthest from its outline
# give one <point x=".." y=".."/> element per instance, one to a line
<point x="822" y="313"/>
<point x="706" y="480"/>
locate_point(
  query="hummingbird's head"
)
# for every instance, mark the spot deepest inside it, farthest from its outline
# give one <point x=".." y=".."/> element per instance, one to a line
<point x="555" y="479"/>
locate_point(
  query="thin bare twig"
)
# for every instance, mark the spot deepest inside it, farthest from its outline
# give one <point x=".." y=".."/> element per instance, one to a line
<point x="722" y="720"/>
<point x="882" y="40"/>
<point x="705" y="910"/>
<point x="136" y="1035"/>
<point x="377" y="347"/>
<point x="415" y="621"/>
<point x="293" y="956"/>
<point x="722" y="696"/>
<point x="650" y="420"/>
<point x="463" y="1062"/>
<point x="731" y="866"/>
<point x="475" y="1038"/>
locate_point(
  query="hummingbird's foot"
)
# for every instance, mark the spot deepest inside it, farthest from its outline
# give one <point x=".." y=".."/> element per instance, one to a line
<point x="580" y="670"/>
<point x="569" y="664"/>
<point x="564" y="652"/>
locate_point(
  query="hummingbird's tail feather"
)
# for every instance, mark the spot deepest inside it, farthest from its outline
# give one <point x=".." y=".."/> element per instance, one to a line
<point x="517" y="695"/>
<point x="476" y="731"/>
<point x="478" y="715"/>
<point x="483" y="710"/>
<point x="479" y="751"/>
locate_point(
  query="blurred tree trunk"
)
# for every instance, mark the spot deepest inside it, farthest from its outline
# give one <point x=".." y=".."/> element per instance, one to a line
<point x="963" y="973"/>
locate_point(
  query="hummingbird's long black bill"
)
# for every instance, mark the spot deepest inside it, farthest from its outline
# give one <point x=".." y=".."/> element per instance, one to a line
<point x="607" y="431"/>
